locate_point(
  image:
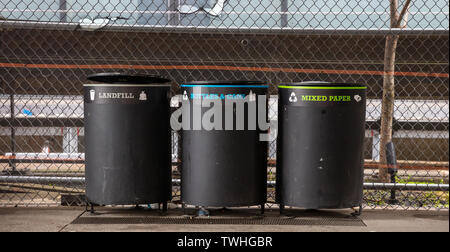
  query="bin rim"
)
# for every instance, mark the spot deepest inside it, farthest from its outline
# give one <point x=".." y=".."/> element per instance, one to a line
<point x="322" y="85"/>
<point x="122" y="78"/>
<point x="221" y="83"/>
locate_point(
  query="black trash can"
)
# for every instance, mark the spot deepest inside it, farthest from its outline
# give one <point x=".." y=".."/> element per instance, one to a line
<point x="320" y="145"/>
<point x="223" y="168"/>
<point x="128" y="138"/>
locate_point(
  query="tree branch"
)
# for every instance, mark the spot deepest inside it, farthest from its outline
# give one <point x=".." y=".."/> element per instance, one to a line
<point x="402" y="14"/>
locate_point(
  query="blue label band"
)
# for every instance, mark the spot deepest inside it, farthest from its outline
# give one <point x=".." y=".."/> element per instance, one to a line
<point x="226" y="86"/>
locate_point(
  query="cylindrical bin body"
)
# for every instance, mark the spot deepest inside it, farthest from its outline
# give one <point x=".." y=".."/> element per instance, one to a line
<point x="127" y="139"/>
<point x="225" y="166"/>
<point x="320" y="145"/>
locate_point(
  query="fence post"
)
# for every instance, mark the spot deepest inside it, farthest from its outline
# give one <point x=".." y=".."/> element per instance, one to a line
<point x="173" y="18"/>
<point x="70" y="140"/>
<point x="63" y="11"/>
<point x="284" y="16"/>
<point x="376" y="146"/>
<point x="12" y="163"/>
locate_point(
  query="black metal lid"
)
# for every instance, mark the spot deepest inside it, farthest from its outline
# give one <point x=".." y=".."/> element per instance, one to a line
<point x="237" y="82"/>
<point x="322" y="84"/>
<point x="120" y="78"/>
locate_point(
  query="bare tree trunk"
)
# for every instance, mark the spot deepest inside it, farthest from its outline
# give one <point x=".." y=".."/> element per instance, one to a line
<point x="387" y="108"/>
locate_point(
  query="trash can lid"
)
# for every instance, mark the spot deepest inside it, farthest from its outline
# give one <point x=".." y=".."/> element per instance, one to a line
<point x="121" y="78"/>
<point x="322" y="84"/>
<point x="241" y="83"/>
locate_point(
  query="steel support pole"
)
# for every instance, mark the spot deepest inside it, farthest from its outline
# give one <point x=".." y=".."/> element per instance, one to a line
<point x="12" y="163"/>
<point x="284" y="16"/>
<point x="63" y="11"/>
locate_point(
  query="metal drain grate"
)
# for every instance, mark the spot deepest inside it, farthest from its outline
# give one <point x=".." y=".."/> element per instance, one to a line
<point x="324" y="221"/>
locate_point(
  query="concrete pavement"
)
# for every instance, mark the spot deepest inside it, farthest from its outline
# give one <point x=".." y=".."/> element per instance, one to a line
<point x="37" y="219"/>
<point x="64" y="219"/>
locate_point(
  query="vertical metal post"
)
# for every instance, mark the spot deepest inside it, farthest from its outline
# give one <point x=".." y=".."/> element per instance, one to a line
<point x="376" y="146"/>
<point x="284" y="16"/>
<point x="63" y="11"/>
<point x="173" y="16"/>
<point x="12" y="163"/>
<point x="70" y="140"/>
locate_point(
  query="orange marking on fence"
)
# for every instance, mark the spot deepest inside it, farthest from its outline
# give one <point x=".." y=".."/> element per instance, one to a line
<point x="400" y="166"/>
<point x="406" y="167"/>
<point x="367" y="165"/>
<point x="39" y="159"/>
<point x="223" y="68"/>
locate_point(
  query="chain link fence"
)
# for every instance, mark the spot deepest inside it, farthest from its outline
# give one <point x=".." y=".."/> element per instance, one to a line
<point x="47" y="48"/>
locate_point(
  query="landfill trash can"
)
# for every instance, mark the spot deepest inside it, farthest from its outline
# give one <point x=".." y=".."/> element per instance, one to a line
<point x="128" y="139"/>
<point x="320" y="145"/>
<point x="223" y="168"/>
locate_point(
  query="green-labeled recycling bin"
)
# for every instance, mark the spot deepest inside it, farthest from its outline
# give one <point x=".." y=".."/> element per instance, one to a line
<point x="320" y="145"/>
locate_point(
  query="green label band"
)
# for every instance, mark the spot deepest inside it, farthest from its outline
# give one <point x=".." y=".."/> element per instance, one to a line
<point x="326" y="88"/>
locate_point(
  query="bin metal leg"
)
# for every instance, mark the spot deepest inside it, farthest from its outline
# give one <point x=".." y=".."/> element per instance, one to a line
<point x="184" y="208"/>
<point x="164" y="207"/>
<point x="89" y="207"/>
<point x="202" y="211"/>
<point x="282" y="207"/>
<point x="358" y="212"/>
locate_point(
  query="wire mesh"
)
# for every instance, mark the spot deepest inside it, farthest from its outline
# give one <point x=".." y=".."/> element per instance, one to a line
<point x="47" y="48"/>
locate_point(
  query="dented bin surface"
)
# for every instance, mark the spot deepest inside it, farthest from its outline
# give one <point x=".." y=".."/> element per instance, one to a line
<point x="320" y="145"/>
<point x="127" y="139"/>
<point x="222" y="168"/>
